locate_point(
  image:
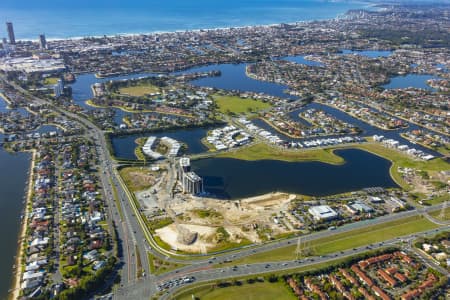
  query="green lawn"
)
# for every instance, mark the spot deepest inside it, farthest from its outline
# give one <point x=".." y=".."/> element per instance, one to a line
<point x="254" y="291"/>
<point x="263" y="151"/>
<point x="238" y="105"/>
<point x="347" y="240"/>
<point x="438" y="199"/>
<point x="139" y="90"/>
<point x="437" y="213"/>
<point x="158" y="266"/>
<point x="404" y="160"/>
<point x="116" y="199"/>
<point x="51" y="80"/>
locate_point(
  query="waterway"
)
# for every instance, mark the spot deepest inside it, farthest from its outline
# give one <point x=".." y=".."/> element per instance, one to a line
<point x="124" y="146"/>
<point x="366" y="129"/>
<point x="12" y="186"/>
<point x="233" y="77"/>
<point x="12" y="183"/>
<point x="410" y="80"/>
<point x="300" y="59"/>
<point x="4" y="108"/>
<point x="368" y="53"/>
<point x="234" y="179"/>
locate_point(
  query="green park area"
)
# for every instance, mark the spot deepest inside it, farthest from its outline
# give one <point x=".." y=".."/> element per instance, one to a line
<point x="399" y="159"/>
<point x="237" y="105"/>
<point x="139" y="90"/>
<point x="261" y="151"/>
<point x="245" y="291"/>
<point x="51" y="80"/>
<point x="347" y="240"/>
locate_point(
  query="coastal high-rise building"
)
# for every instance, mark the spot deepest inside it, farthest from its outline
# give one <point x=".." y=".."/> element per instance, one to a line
<point x="42" y="41"/>
<point x="59" y="88"/>
<point x="10" y="29"/>
<point x="190" y="182"/>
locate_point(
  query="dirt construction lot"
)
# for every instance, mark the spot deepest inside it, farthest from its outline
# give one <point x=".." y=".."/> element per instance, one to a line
<point x="219" y="222"/>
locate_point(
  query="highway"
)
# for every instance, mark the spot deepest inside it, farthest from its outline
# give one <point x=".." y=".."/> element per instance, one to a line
<point x="209" y="272"/>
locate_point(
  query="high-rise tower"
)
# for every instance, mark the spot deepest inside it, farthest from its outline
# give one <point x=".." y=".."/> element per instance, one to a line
<point x="10" y="29"/>
<point x="42" y="41"/>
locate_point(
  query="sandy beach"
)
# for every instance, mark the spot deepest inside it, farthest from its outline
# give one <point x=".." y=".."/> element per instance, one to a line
<point x="18" y="263"/>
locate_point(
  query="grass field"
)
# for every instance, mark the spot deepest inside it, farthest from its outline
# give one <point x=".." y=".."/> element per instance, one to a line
<point x="263" y="151"/>
<point x="254" y="291"/>
<point x="438" y="199"/>
<point x="158" y="266"/>
<point x="139" y="90"/>
<point x="51" y="80"/>
<point x="238" y="105"/>
<point x="404" y="160"/>
<point x="116" y="199"/>
<point x="436" y="214"/>
<point x="136" y="178"/>
<point x="399" y="159"/>
<point x="138" y="150"/>
<point x="347" y="240"/>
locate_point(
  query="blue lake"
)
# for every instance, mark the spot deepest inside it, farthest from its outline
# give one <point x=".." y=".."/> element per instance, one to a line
<point x="368" y="53"/>
<point x="235" y="179"/>
<point x="410" y="80"/>
<point x="233" y="77"/>
<point x="300" y="59"/>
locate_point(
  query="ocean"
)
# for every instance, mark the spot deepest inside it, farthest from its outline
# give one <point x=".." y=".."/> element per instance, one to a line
<point x="69" y="19"/>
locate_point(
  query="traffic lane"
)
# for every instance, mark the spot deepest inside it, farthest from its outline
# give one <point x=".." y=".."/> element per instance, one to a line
<point x="268" y="267"/>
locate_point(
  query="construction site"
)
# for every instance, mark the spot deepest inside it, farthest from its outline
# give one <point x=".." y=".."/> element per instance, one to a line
<point x="188" y="221"/>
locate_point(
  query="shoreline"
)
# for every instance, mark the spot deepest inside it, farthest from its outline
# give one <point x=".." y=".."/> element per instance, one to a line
<point x="365" y="5"/>
<point x="90" y="103"/>
<point x="6" y="99"/>
<point x="22" y="235"/>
